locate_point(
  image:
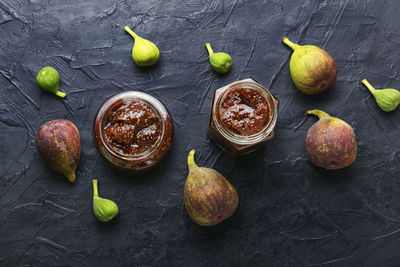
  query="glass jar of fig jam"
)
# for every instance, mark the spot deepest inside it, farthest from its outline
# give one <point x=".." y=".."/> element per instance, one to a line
<point x="133" y="131"/>
<point x="243" y="117"/>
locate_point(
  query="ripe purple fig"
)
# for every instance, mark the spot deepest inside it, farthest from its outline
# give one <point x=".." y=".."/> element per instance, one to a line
<point x="209" y="197"/>
<point x="59" y="146"/>
<point x="330" y="142"/>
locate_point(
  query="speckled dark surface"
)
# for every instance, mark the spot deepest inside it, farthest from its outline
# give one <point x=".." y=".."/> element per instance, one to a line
<point x="291" y="213"/>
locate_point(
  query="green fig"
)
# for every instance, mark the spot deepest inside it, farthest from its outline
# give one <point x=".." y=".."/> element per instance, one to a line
<point x="104" y="209"/>
<point x="312" y="69"/>
<point x="209" y="197"/>
<point x="330" y="142"/>
<point x="48" y="79"/>
<point x="387" y="99"/>
<point x="58" y="144"/>
<point x="144" y="52"/>
<point x="220" y="62"/>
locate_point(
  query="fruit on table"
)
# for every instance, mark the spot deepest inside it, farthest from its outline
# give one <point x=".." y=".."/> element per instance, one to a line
<point x="209" y="197"/>
<point x="104" y="209"/>
<point x="387" y="99"/>
<point x="144" y="52"/>
<point x="48" y="79"/>
<point x="312" y="69"/>
<point x="330" y="142"/>
<point x="220" y="62"/>
<point x="58" y="144"/>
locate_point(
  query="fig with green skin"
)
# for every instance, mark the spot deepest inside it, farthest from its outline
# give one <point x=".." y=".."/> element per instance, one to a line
<point x="209" y="197"/>
<point x="58" y="144"/>
<point x="387" y="99"/>
<point x="144" y="52"/>
<point x="48" y="79"/>
<point x="104" y="209"/>
<point x="330" y="142"/>
<point x="220" y="62"/>
<point x="312" y="69"/>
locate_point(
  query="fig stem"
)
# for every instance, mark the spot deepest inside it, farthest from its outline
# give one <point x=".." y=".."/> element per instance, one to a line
<point x="95" y="190"/>
<point x="209" y="49"/>
<point x="368" y="85"/>
<point x="319" y="113"/>
<point x="60" y="94"/>
<point x="287" y="42"/>
<point x="191" y="163"/>
<point x="128" y="30"/>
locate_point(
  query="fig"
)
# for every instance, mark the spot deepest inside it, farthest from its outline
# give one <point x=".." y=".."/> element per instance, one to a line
<point x="330" y="142"/>
<point x="48" y="79"/>
<point x="144" y="52"/>
<point x="59" y="146"/>
<point x="221" y="62"/>
<point x="387" y="99"/>
<point x="312" y="69"/>
<point x="104" y="209"/>
<point x="209" y="197"/>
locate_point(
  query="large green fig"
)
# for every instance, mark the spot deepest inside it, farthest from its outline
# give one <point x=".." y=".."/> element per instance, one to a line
<point x="209" y="197"/>
<point x="330" y="142"/>
<point x="312" y="69"/>
<point x="58" y="144"/>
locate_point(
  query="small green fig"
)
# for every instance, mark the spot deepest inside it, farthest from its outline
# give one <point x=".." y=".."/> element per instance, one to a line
<point x="220" y="62"/>
<point x="48" y="79"/>
<point x="330" y="142"/>
<point x="104" y="209"/>
<point x="387" y="99"/>
<point x="209" y="197"/>
<point x="58" y="144"/>
<point x="312" y="69"/>
<point x="144" y="52"/>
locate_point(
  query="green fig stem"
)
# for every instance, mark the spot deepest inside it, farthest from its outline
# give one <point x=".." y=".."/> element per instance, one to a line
<point x="191" y="163"/>
<point x="95" y="190"/>
<point x="60" y="94"/>
<point x="319" y="113"/>
<point x="209" y="49"/>
<point x="369" y="86"/>
<point x="128" y="30"/>
<point x="287" y="42"/>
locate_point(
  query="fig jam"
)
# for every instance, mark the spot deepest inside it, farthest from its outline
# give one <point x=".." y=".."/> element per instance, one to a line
<point x="243" y="117"/>
<point x="244" y="111"/>
<point x="133" y="131"/>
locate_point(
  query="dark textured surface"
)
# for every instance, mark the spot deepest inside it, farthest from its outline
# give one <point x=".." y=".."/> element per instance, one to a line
<point x="291" y="213"/>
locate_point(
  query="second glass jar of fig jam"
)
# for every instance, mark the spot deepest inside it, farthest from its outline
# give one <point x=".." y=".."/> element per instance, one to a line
<point x="243" y="117"/>
<point x="133" y="131"/>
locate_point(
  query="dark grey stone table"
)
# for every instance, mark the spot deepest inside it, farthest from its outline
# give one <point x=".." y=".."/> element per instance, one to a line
<point x="291" y="213"/>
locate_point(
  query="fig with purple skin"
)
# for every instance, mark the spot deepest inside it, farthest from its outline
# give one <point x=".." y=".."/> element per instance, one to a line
<point x="330" y="142"/>
<point x="209" y="197"/>
<point x="58" y="144"/>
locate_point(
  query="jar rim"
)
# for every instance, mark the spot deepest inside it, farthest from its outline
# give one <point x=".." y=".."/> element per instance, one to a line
<point x="242" y="139"/>
<point x="153" y="102"/>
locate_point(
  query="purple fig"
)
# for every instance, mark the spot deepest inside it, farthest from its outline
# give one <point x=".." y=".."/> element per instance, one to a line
<point x="59" y="146"/>
<point x="330" y="142"/>
<point x="209" y="197"/>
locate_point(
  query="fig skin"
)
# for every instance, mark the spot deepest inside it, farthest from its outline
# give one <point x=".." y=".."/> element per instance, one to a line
<point x="58" y="144"/>
<point x="312" y="69"/>
<point x="330" y="143"/>
<point x="209" y="197"/>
